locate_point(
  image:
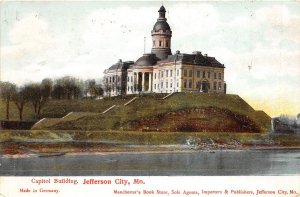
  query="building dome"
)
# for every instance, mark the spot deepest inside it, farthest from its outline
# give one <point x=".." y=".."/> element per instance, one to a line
<point x="146" y="60"/>
<point x="161" y="25"/>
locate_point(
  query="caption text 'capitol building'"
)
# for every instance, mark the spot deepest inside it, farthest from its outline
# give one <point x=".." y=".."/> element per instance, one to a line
<point x="163" y="72"/>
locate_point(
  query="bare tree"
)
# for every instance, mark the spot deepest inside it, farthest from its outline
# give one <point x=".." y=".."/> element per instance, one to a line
<point x="38" y="95"/>
<point x="7" y="90"/>
<point x="20" y="98"/>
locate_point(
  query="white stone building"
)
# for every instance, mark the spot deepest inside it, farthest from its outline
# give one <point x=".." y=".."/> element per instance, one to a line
<point x="163" y="72"/>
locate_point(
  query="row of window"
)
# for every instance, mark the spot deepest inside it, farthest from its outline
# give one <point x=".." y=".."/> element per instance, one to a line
<point x="186" y="84"/>
<point x="167" y="85"/>
<point x="203" y="85"/>
<point x="112" y="79"/>
<point x="169" y="73"/>
<point x="204" y="74"/>
<point x="160" y="43"/>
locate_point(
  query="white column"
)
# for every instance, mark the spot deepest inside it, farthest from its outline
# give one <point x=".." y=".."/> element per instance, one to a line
<point x="135" y="81"/>
<point x="150" y="82"/>
<point x="143" y="81"/>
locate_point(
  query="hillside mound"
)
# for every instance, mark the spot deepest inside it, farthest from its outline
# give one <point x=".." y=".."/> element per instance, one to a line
<point x="179" y="112"/>
<point x="201" y="119"/>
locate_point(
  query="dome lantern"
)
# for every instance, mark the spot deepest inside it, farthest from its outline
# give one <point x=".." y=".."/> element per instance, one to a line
<point x="161" y="36"/>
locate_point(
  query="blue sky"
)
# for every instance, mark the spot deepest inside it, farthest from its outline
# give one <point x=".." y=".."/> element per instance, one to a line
<point x="55" y="38"/>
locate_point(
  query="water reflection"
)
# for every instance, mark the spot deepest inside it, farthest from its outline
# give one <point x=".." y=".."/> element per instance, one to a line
<point x="244" y="162"/>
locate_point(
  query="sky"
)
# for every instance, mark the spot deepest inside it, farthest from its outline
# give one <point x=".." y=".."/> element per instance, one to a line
<point x="57" y="38"/>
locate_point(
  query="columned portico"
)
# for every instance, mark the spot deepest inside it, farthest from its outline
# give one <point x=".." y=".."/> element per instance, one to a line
<point x="142" y="80"/>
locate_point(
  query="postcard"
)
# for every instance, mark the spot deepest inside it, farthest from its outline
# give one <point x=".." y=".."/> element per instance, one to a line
<point x="149" y="98"/>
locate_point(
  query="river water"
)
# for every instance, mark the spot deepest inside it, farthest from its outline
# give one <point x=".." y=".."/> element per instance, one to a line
<point x="198" y="163"/>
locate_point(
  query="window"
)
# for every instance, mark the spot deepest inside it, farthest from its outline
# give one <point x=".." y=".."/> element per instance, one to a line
<point x="177" y="84"/>
<point x="155" y="86"/>
<point x="131" y="88"/>
<point x="219" y="86"/>
<point x="215" y="75"/>
<point x="128" y="79"/>
<point x="171" y="85"/>
<point x="190" y="73"/>
<point x="113" y="79"/>
<point x="184" y="84"/>
<point x="203" y="74"/>
<point x="160" y="43"/>
<point x="153" y="43"/>
<point x="106" y="80"/>
<point x="166" y="84"/>
<point x="128" y="88"/>
<point x="154" y="75"/>
<point x="190" y="83"/>
<point x="220" y="76"/>
<point x="185" y="73"/>
<point x="198" y="73"/>
<point x="109" y="79"/>
<point x="208" y="74"/>
<point x="167" y="73"/>
<point x="167" y="44"/>
<point x="171" y="73"/>
<point x="215" y="85"/>
<point x="162" y="73"/>
<point x="177" y="72"/>
<point x="162" y="85"/>
<point x="131" y="78"/>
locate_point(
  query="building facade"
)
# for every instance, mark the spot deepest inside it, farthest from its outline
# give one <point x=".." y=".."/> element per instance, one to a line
<point x="163" y="72"/>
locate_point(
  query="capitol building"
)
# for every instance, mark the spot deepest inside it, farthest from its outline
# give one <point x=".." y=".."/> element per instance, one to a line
<point x="161" y="71"/>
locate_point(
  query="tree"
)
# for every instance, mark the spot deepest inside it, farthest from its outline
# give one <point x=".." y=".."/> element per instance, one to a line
<point x="20" y="97"/>
<point x="46" y="87"/>
<point x="67" y="88"/>
<point x="7" y="90"/>
<point x="107" y="89"/>
<point x="38" y="95"/>
<point x="99" y="90"/>
<point x="92" y="87"/>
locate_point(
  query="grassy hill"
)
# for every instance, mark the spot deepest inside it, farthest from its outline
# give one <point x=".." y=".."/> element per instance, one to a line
<point x="232" y="108"/>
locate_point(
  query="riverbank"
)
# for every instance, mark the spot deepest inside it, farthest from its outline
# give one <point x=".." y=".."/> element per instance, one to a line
<point x="56" y="143"/>
<point x="33" y="149"/>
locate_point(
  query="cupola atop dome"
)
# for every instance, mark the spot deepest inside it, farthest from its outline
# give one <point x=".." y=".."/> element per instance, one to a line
<point x="161" y="23"/>
<point x="161" y="36"/>
<point x="162" y="11"/>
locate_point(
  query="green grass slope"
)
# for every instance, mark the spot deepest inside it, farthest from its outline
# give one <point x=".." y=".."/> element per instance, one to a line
<point x="147" y="107"/>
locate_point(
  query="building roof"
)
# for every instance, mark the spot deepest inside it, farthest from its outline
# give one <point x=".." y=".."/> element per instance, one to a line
<point x="162" y="9"/>
<point x="148" y="59"/>
<point x="195" y="59"/>
<point x="121" y="65"/>
<point x="161" y="25"/>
